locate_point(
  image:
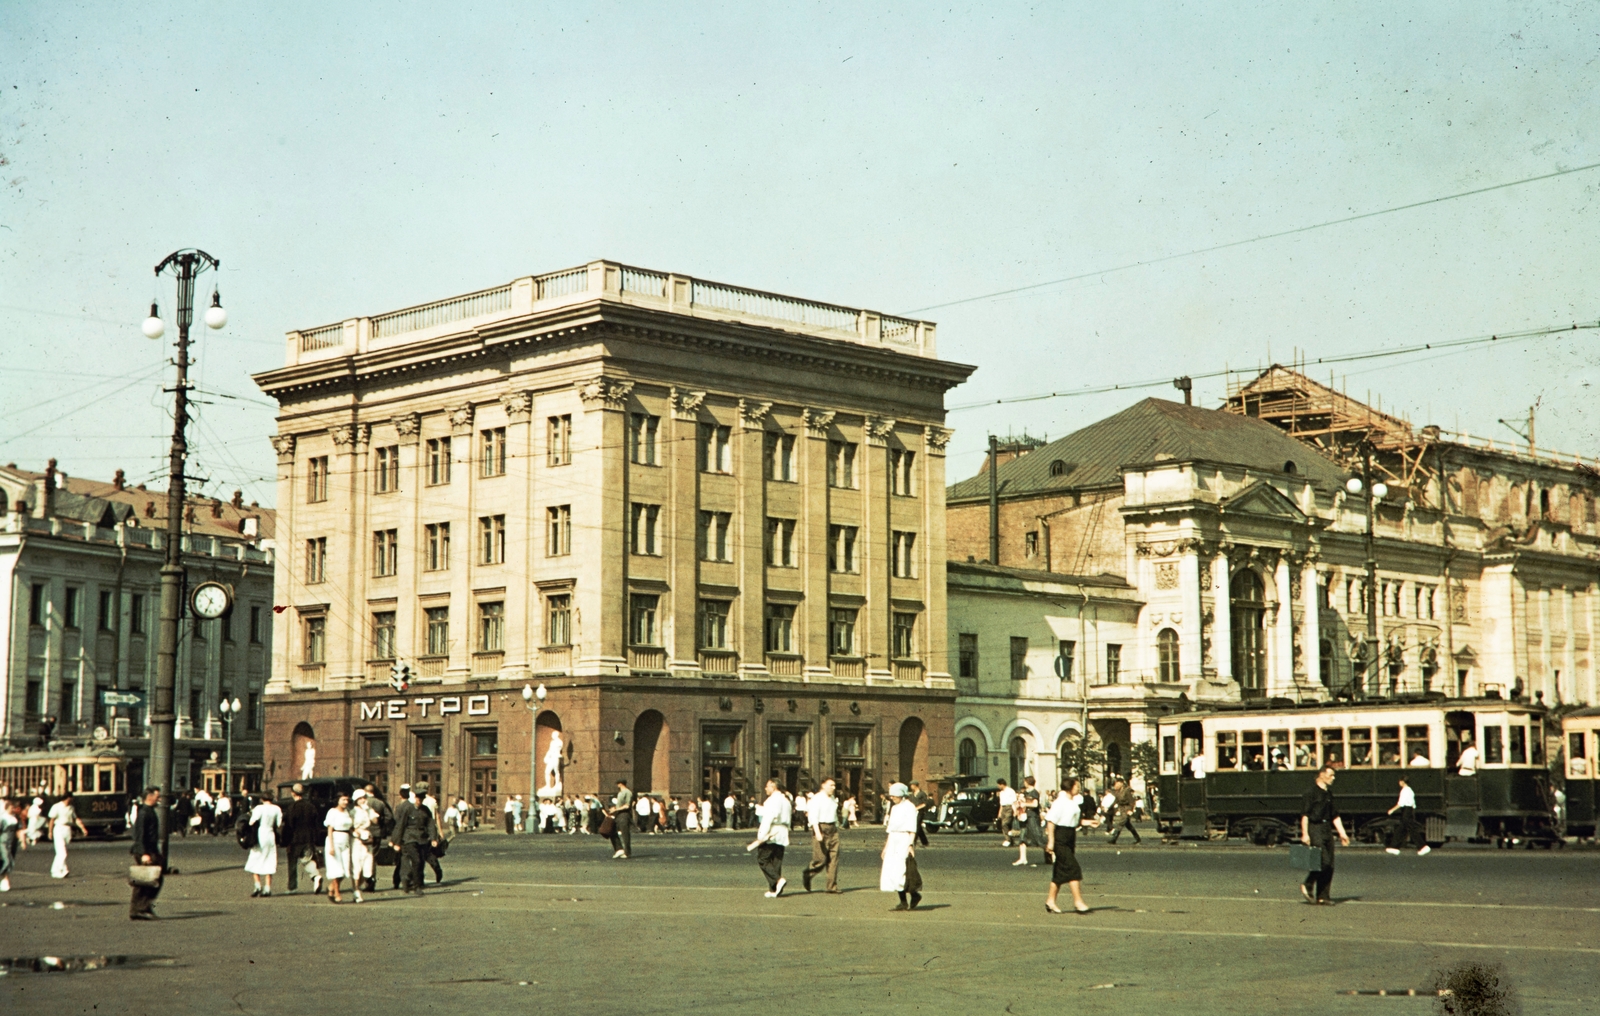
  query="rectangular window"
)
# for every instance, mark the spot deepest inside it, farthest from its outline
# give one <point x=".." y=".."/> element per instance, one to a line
<point x="643" y="430"/>
<point x="430" y="744"/>
<point x="255" y="626"/>
<point x="438" y="461"/>
<point x="71" y="607"/>
<point x="905" y="636"/>
<point x="492" y="452"/>
<point x="713" y="536"/>
<point x="195" y="709"/>
<point x="492" y="539"/>
<point x="642" y="609"/>
<point x="252" y="713"/>
<point x="1113" y="663"/>
<point x="1332" y="746"/>
<point x="108" y="614"/>
<point x="1389" y="747"/>
<point x="1227" y="750"/>
<point x="485" y="742"/>
<point x="491" y="627"/>
<point x="437" y="536"/>
<point x="842" y="549"/>
<point x="136" y="619"/>
<point x="646" y="529"/>
<point x="383" y="646"/>
<point x="1305" y="749"/>
<point x="780" y="457"/>
<point x="558" y="441"/>
<point x="36" y="604"/>
<point x="375" y="747"/>
<point x="714" y="624"/>
<point x="316" y="559"/>
<point x="1066" y="659"/>
<point x="33" y="700"/>
<point x="1019" y="658"/>
<point x="902" y="475"/>
<point x="780" y="627"/>
<point x="780" y="543"/>
<point x="386" y="552"/>
<point x="558" y="620"/>
<point x="842" y="464"/>
<point x="1494" y="745"/>
<point x="967" y="655"/>
<point x="438" y="619"/>
<point x="716" y="453"/>
<point x="316" y="632"/>
<point x="386" y="467"/>
<point x="225" y="622"/>
<point x="905" y="555"/>
<point x="850" y="744"/>
<point x="842" y="632"/>
<point x="1252" y="754"/>
<point x="1278" y="749"/>
<point x="1416" y="746"/>
<point x="1360" y="746"/>
<point x="69" y="702"/>
<point x="317" y="478"/>
<point x="1030" y="544"/>
<point x="559" y="543"/>
<point x="1519" y="745"/>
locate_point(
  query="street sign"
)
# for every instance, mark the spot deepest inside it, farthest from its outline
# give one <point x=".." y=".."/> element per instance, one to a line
<point x="122" y="698"/>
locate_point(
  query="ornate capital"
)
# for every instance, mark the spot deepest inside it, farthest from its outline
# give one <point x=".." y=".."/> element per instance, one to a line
<point x="604" y="393"/>
<point x="879" y="428"/>
<point x="283" y="444"/>
<point x="685" y="404"/>
<point x="518" y="405"/>
<point x="408" y="426"/>
<point x="753" y="414"/>
<point x="817" y="421"/>
<point x="343" y="436"/>
<point x="461" y="418"/>
<point x="936" y="438"/>
<point x="363" y="436"/>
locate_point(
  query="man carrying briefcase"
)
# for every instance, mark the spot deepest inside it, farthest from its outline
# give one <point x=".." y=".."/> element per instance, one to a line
<point x="1319" y="820"/>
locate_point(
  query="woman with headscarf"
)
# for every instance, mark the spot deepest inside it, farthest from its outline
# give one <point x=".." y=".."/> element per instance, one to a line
<point x="899" y="873"/>
<point x="1061" y="841"/>
<point x="364" y="844"/>
<point x="262" y="863"/>
<point x="336" y="849"/>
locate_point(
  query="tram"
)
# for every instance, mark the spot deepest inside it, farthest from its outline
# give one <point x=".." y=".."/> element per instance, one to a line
<point x="1257" y="760"/>
<point x="1581" y="736"/>
<point x="97" y="778"/>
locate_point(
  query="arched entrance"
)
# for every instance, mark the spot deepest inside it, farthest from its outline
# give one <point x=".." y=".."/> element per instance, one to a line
<point x="304" y="739"/>
<point x="1247" y="596"/>
<point x="913" y="751"/>
<point x="651" y="765"/>
<point x="546" y="732"/>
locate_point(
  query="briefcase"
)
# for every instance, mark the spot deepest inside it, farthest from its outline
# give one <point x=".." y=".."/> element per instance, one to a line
<point x="386" y="856"/>
<point x="146" y="875"/>
<point x="1304" y="858"/>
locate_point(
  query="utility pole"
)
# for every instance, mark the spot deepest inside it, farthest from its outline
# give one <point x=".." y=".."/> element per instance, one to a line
<point x="1371" y="655"/>
<point x="186" y="265"/>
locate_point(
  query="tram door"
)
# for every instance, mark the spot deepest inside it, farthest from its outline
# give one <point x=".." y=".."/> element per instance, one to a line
<point x="1191" y="791"/>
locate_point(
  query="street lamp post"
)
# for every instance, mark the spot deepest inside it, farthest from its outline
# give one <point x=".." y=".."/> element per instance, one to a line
<point x="230" y="713"/>
<point x="533" y="701"/>
<point x="186" y="265"/>
<point x="1373" y="492"/>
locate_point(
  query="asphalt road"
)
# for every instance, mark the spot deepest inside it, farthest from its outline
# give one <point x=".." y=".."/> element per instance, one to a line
<point x="551" y="922"/>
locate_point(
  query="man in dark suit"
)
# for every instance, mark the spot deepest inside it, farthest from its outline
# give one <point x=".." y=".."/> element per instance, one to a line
<point x="413" y="833"/>
<point x="302" y="827"/>
<point x="146" y="849"/>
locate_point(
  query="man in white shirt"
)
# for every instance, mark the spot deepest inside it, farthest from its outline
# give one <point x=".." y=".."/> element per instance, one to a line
<point x="513" y="812"/>
<point x="1008" y="811"/>
<point x="772" y="837"/>
<point x="1406" y="805"/>
<point x="730" y="805"/>
<point x="1467" y="764"/>
<point x="823" y="814"/>
<point x="63" y="819"/>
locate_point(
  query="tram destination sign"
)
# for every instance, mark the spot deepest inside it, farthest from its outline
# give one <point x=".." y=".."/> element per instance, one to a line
<point x="122" y="698"/>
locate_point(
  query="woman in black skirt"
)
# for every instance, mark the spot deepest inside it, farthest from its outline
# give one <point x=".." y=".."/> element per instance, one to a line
<point x="1061" y="841"/>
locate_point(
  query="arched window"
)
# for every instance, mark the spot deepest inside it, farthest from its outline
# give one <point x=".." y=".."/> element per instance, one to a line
<point x="1248" y="597"/>
<point x="1019" y="761"/>
<point x="1058" y="468"/>
<point x="967" y="757"/>
<point x="1167" y="656"/>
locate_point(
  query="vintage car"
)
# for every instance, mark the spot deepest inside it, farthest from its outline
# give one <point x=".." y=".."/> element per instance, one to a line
<point x="967" y="809"/>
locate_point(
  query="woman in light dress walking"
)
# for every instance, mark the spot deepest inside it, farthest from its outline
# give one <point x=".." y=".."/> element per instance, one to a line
<point x="1061" y="841"/>
<point x="63" y="819"/>
<point x="363" y="848"/>
<point x="262" y="863"/>
<point x="899" y="873"/>
<point x="337" y="849"/>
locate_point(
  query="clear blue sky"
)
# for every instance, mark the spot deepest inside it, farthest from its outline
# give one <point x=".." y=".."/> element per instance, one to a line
<point x="347" y="159"/>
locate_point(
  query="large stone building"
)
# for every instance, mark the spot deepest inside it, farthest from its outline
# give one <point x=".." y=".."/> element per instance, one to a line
<point x="81" y="562"/>
<point x="1236" y="559"/>
<point x="708" y="520"/>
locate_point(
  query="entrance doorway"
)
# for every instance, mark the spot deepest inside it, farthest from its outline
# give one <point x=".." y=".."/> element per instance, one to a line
<point x="913" y="750"/>
<point x="428" y="753"/>
<point x="651" y="771"/>
<point x="720" y="773"/>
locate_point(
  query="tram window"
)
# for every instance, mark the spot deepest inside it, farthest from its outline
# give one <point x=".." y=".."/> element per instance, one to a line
<point x="1305" y="749"/>
<point x="1389" y="746"/>
<point x="1417" y="745"/>
<point x="1169" y="754"/>
<point x="1227" y="749"/>
<point x="1519" y="744"/>
<point x="104" y="775"/>
<point x="1536" y="745"/>
<point x="1361" y="746"/>
<point x="1332" y="746"/>
<point x="1577" y="761"/>
<point x="1494" y="749"/>
<point x="1254" y="753"/>
<point x="1278" y="749"/>
<point x="122" y="780"/>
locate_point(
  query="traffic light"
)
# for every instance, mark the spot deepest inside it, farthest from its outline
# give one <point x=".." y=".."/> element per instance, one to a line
<point x="399" y="676"/>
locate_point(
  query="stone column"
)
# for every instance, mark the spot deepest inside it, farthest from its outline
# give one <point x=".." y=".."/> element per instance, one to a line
<point x="934" y="639"/>
<point x="812" y="456"/>
<point x="1311" y="626"/>
<point x="749" y="451"/>
<point x="1190" y="657"/>
<point x="1570" y="687"/>
<point x="1222" y="613"/>
<point x="523" y="529"/>
<point x="679" y="455"/>
<point x="876" y="544"/>
<point x="1280" y="673"/>
<point x="283" y="633"/>
<point x="410" y="629"/>
<point x="464" y="547"/>
<point x="600" y="523"/>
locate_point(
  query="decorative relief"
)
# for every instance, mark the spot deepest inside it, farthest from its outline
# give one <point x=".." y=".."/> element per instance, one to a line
<point x="518" y="405"/>
<point x="604" y="392"/>
<point x="283" y="444"/>
<point x="686" y="404"/>
<point x="937" y="438"/>
<point x="879" y="428"/>
<point x="461" y="417"/>
<point x="1166" y="575"/>
<point x="1166" y="548"/>
<point x="408" y="426"/>
<point x="342" y="435"/>
<point x="818" y="421"/>
<point x="752" y="414"/>
<point x="363" y="435"/>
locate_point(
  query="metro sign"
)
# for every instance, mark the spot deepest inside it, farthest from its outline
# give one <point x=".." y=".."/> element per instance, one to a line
<point x="447" y="705"/>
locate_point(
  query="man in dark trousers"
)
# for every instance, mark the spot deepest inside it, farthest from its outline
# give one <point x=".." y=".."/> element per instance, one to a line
<point x="399" y="858"/>
<point x="146" y="849"/>
<point x="376" y="802"/>
<point x="1124" y="797"/>
<point x="919" y="797"/>
<point x="1319" y="820"/>
<point x="302" y="827"/>
<point x="413" y="832"/>
<point x="621" y="812"/>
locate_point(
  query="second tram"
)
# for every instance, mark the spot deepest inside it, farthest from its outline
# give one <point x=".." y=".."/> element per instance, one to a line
<point x="97" y="778"/>
<point x="1581" y="738"/>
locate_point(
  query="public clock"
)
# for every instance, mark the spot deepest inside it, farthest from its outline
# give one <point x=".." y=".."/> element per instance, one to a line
<point x="211" y="600"/>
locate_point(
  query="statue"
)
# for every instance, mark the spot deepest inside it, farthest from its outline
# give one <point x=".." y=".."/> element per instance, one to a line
<point x="310" y="763"/>
<point x="552" y="765"/>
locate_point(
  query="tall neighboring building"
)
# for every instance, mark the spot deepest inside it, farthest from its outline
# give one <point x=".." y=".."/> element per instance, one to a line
<point x="81" y="562"/>
<point x="708" y="521"/>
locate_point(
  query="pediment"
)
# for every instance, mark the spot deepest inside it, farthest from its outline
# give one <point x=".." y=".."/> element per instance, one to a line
<point x="1263" y="499"/>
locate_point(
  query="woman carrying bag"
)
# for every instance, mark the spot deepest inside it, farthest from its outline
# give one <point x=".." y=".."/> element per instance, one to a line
<point x="336" y="849"/>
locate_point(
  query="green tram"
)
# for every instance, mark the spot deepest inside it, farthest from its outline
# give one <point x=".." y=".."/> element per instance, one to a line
<point x="97" y="778"/>
<point x="1257" y="760"/>
<point x="1581" y="735"/>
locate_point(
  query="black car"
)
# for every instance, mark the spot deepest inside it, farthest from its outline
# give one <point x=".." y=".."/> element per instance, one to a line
<point x="323" y="791"/>
<point x="972" y="808"/>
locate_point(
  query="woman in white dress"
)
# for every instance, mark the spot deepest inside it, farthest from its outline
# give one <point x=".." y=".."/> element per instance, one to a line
<point x="337" y="849"/>
<point x="705" y="814"/>
<point x="262" y="863"/>
<point x="363" y="848"/>
<point x="899" y="874"/>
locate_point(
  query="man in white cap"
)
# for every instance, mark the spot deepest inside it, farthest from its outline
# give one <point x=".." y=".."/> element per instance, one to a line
<point x="772" y="837"/>
<point x="899" y="874"/>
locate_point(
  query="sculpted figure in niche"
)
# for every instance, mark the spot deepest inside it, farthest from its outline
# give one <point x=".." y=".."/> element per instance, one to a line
<point x="552" y="764"/>
<point x="309" y="764"/>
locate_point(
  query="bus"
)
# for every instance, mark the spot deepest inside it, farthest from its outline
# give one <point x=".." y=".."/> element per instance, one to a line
<point x="97" y="778"/>
<point x="1257" y="760"/>
<point x="1581" y="736"/>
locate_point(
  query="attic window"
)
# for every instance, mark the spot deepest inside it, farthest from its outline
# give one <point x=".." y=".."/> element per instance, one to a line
<point x="1289" y="467"/>
<point x="1059" y="468"/>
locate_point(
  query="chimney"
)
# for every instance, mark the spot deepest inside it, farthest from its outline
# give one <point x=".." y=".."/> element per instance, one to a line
<point x="216" y="508"/>
<point x="238" y="499"/>
<point x="250" y="526"/>
<point x="45" y="505"/>
<point x="119" y="482"/>
<point x="149" y="508"/>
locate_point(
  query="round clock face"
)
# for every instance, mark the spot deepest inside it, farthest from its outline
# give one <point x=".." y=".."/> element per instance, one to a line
<point x="210" y="600"/>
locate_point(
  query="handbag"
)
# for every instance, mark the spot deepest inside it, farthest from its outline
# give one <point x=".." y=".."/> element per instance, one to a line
<point x="1304" y="858"/>
<point x="438" y="851"/>
<point x="145" y="875"/>
<point x="608" y="825"/>
<point x="386" y="856"/>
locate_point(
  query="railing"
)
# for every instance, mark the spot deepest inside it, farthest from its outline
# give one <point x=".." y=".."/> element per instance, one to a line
<point x="906" y="670"/>
<point x="555" y="658"/>
<point x="635" y="280"/>
<point x="311" y="673"/>
<point x="647" y="658"/>
<point x="326" y="337"/>
<point x="443" y="312"/>
<point x="378" y="671"/>
<point x="849" y="670"/>
<point x="898" y="331"/>
<point x="777" y="308"/>
<point x="574" y="280"/>
<point x="715" y="662"/>
<point x="432" y="666"/>
<point x="487" y="663"/>
<point x="785" y="666"/>
<point x="1513" y="450"/>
